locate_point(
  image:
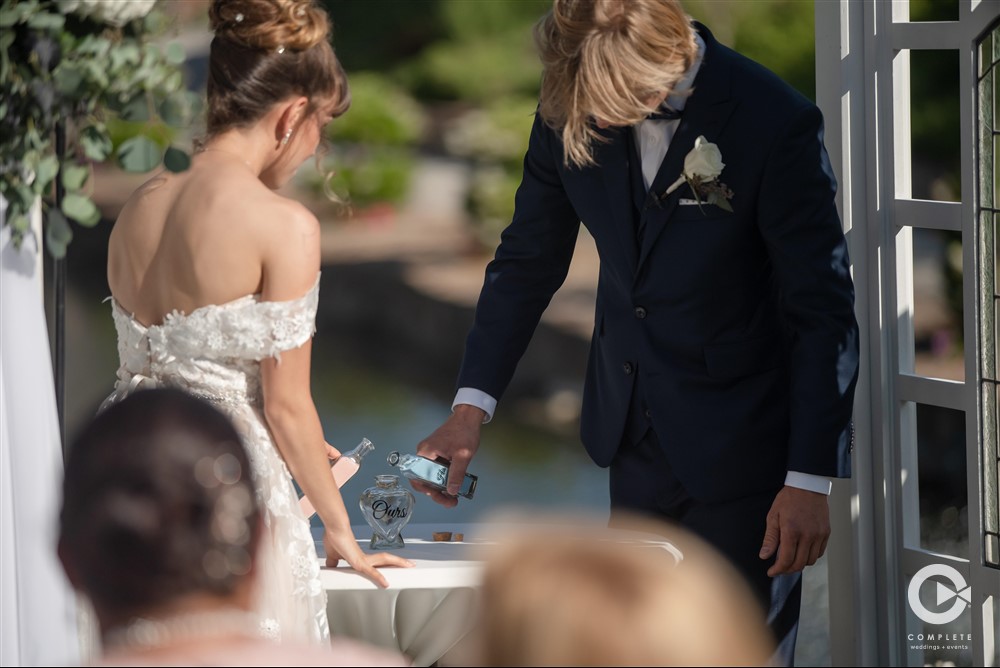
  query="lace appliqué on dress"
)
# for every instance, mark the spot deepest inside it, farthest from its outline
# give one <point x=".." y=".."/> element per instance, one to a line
<point x="246" y="328"/>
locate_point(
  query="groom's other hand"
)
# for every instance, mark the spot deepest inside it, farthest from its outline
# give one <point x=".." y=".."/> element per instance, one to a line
<point x="798" y="527"/>
<point x="457" y="441"/>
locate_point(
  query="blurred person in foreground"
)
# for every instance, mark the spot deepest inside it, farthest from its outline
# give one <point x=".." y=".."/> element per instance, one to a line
<point x="724" y="357"/>
<point x="161" y="529"/>
<point x="215" y="285"/>
<point x="560" y="596"/>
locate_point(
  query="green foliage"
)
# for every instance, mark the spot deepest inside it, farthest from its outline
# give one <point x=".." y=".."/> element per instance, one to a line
<point x="368" y="175"/>
<point x="475" y="71"/>
<point x="495" y="134"/>
<point x="405" y="28"/>
<point x="474" y="21"/>
<point x="480" y="52"/>
<point x="443" y="49"/>
<point x="374" y="142"/>
<point x="176" y="160"/>
<point x="779" y="34"/>
<point x="402" y="29"/>
<point x="58" y="233"/>
<point x="381" y="113"/>
<point x="491" y="201"/>
<point x="488" y="53"/>
<point x="935" y="117"/>
<point x="139" y="154"/>
<point x="934" y="10"/>
<point x="103" y="84"/>
<point x="495" y="139"/>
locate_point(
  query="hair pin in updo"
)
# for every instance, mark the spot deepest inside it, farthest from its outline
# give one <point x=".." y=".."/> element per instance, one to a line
<point x="239" y="18"/>
<point x="281" y="48"/>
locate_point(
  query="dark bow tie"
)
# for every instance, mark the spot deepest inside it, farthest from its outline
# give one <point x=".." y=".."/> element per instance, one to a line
<point x="664" y="113"/>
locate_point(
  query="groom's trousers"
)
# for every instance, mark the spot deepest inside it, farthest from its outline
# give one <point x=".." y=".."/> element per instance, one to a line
<point x="643" y="482"/>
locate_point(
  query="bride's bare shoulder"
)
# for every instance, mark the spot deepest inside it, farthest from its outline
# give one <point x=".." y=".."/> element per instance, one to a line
<point x="153" y="187"/>
<point x="155" y="200"/>
<point x="221" y="204"/>
<point x="262" y="208"/>
<point x="288" y="227"/>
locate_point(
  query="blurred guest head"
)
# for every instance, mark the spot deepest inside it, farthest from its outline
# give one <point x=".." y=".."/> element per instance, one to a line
<point x="159" y="510"/>
<point x="602" y="597"/>
<point x="159" y="529"/>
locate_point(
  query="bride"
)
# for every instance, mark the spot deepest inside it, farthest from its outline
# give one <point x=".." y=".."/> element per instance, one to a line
<point x="215" y="280"/>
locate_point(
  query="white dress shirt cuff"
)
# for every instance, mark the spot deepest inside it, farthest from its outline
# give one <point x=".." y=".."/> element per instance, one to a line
<point x="807" y="481"/>
<point x="477" y="398"/>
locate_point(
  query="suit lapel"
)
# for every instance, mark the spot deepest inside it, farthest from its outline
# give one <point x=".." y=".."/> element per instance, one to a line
<point x="613" y="158"/>
<point x="705" y="113"/>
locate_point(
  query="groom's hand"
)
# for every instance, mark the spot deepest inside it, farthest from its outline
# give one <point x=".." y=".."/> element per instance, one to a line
<point x="798" y="527"/>
<point x="457" y="441"/>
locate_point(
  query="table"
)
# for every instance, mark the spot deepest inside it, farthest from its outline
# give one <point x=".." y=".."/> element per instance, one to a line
<point x="427" y="609"/>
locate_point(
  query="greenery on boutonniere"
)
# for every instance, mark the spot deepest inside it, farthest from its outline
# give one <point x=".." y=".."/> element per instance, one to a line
<point x="711" y="191"/>
<point x="91" y="69"/>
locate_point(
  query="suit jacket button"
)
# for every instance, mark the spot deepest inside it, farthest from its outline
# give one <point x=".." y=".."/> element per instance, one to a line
<point x="640" y="312"/>
<point x="627" y="368"/>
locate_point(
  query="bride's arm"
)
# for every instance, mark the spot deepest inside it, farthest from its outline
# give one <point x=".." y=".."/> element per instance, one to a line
<point x="290" y="268"/>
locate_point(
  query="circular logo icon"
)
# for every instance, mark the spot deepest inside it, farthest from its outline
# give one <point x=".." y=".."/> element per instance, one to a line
<point x="960" y="591"/>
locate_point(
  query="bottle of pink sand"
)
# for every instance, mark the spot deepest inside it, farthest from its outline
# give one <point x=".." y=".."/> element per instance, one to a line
<point x="343" y="467"/>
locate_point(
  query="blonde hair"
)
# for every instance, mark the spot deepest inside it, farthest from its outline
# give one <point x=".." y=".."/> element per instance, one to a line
<point x="585" y="598"/>
<point x="604" y="59"/>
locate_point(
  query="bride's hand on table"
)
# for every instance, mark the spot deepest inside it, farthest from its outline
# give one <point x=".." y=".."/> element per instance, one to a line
<point x="344" y="546"/>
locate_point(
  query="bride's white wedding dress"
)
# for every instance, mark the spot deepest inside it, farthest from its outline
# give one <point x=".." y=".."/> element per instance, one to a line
<point x="214" y="352"/>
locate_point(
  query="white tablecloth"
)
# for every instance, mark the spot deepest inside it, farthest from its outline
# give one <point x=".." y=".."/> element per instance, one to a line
<point x="427" y="609"/>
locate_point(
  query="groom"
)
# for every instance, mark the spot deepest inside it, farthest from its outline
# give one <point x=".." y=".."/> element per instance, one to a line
<point x="725" y="350"/>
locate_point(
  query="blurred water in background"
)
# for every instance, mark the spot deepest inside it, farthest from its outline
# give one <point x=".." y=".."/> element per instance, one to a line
<point x="517" y="464"/>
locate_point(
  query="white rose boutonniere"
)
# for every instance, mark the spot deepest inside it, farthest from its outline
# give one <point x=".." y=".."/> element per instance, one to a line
<point x="702" y="167"/>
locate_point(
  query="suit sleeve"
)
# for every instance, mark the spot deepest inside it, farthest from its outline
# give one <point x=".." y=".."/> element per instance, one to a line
<point x="530" y="264"/>
<point x="799" y="222"/>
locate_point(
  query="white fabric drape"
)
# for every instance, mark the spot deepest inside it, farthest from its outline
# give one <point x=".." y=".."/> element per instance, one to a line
<point x="37" y="606"/>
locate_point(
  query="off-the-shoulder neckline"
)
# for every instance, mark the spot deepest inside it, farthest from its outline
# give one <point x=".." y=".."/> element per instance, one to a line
<point x="176" y="314"/>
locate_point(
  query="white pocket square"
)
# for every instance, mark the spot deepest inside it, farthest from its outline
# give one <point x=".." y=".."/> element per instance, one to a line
<point x="683" y="201"/>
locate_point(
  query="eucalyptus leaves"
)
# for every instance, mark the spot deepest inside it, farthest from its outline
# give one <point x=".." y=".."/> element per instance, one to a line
<point x="91" y="69"/>
<point x="114" y="12"/>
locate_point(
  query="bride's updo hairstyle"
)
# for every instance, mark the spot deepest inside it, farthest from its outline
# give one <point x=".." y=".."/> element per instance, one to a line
<point x="158" y="503"/>
<point x="265" y="51"/>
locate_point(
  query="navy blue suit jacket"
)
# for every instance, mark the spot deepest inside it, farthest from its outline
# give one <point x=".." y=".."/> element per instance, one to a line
<point x="748" y="348"/>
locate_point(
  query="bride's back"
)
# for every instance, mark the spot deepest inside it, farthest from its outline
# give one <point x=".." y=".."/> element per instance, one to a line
<point x="187" y="240"/>
<point x="218" y="231"/>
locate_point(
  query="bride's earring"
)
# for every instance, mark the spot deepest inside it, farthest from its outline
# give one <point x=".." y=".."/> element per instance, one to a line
<point x="288" y="135"/>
